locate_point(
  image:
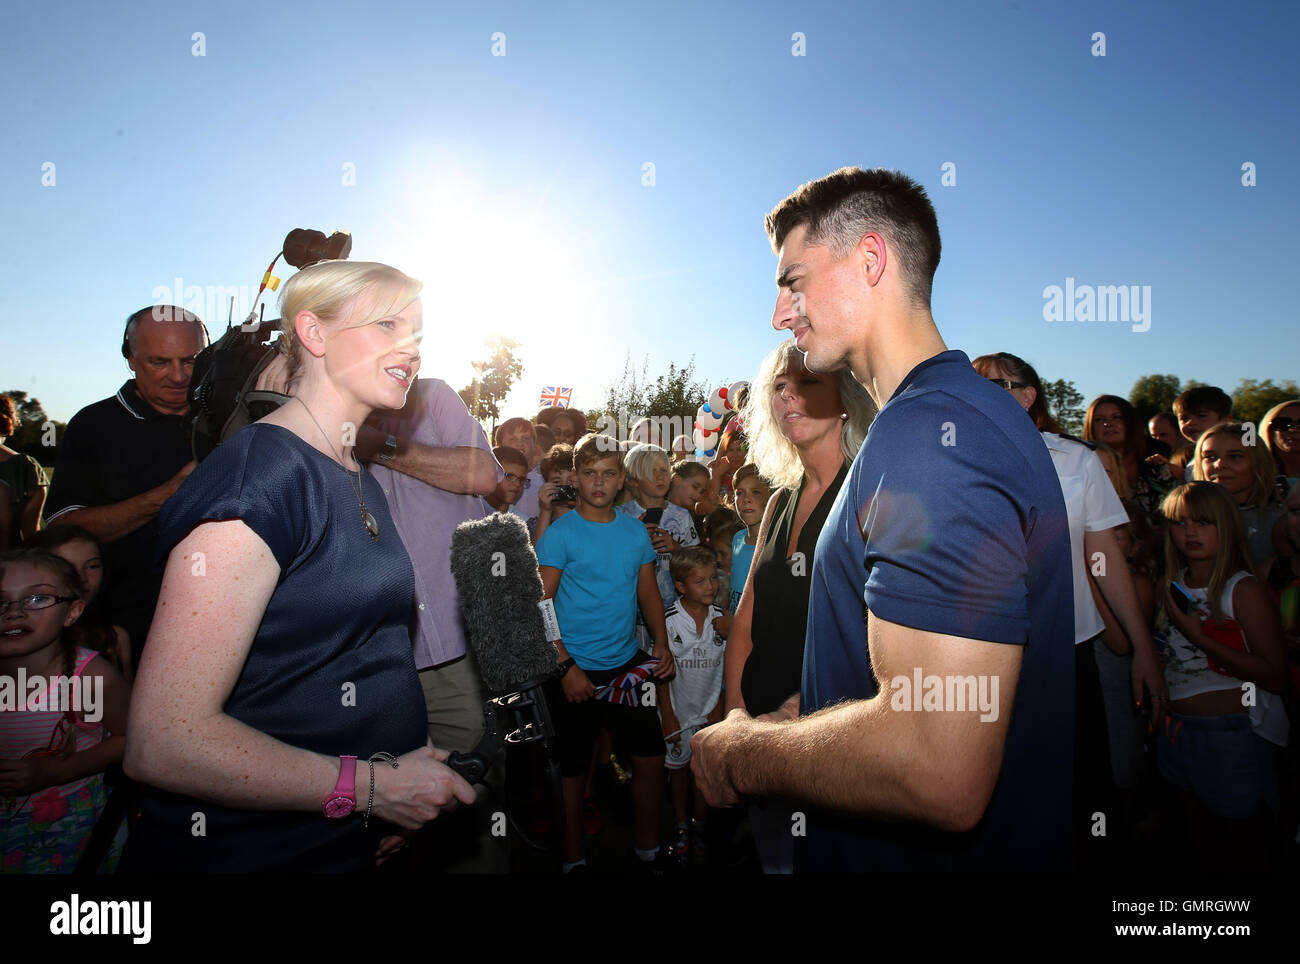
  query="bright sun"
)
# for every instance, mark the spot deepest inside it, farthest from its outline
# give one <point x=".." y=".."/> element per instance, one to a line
<point x="492" y="267"/>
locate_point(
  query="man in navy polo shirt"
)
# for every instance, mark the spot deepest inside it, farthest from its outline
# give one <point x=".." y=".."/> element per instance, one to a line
<point x="934" y="727"/>
<point x="123" y="457"/>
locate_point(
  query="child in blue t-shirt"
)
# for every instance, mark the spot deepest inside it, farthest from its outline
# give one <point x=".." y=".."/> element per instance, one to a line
<point x="752" y="493"/>
<point x="599" y="567"/>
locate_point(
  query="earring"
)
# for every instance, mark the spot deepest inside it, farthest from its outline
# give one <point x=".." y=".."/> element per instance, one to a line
<point x="844" y="415"/>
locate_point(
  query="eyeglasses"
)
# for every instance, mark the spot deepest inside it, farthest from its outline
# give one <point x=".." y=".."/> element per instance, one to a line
<point x="511" y="477"/>
<point x="34" y="602"/>
<point x="1008" y="384"/>
<point x="1283" y="424"/>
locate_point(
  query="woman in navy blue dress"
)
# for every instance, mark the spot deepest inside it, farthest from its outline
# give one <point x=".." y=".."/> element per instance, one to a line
<point x="279" y="662"/>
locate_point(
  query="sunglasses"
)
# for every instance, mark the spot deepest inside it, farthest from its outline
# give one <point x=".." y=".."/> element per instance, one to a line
<point x="1283" y="424"/>
<point x="1008" y="384"/>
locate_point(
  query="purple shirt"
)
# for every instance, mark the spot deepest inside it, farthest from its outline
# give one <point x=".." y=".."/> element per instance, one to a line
<point x="427" y="516"/>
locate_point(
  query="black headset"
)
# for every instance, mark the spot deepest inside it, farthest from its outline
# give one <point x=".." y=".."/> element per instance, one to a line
<point x="172" y="311"/>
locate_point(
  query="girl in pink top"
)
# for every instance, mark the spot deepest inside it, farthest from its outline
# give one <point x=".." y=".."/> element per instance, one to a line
<point x="62" y="718"/>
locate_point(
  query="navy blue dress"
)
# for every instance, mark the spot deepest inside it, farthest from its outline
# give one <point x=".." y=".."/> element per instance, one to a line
<point x="330" y="670"/>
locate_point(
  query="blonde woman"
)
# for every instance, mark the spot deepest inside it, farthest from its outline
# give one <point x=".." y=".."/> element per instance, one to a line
<point x="1224" y="456"/>
<point x="804" y="429"/>
<point x="278" y="678"/>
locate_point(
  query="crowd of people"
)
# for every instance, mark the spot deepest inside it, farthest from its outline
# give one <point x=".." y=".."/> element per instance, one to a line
<point x="282" y="668"/>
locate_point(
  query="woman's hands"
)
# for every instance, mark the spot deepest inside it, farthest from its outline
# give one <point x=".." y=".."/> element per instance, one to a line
<point x="415" y="791"/>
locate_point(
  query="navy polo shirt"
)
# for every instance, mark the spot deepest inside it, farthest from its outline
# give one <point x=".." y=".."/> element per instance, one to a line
<point x="951" y="521"/>
<point x="112" y="451"/>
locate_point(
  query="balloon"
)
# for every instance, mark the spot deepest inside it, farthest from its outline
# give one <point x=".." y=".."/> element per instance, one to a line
<point x="717" y="402"/>
<point x="734" y="393"/>
<point x="708" y="422"/>
<point x="701" y="440"/>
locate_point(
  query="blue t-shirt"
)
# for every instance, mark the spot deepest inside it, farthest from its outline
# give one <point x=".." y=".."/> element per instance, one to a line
<point x="596" y="600"/>
<point x="951" y="521"/>
<point x="742" y="556"/>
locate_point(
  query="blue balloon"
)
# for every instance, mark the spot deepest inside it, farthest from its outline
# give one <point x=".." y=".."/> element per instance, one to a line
<point x="705" y="408"/>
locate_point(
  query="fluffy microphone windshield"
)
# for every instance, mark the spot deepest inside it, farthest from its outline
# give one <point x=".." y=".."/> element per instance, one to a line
<point x="495" y="570"/>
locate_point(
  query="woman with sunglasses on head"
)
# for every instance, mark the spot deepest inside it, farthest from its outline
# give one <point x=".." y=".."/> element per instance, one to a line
<point x="1094" y="512"/>
<point x="1111" y="420"/>
<point x="1280" y="430"/>
<point x="277" y="697"/>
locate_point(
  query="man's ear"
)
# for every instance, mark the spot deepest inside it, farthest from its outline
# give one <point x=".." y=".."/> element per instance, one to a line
<point x="873" y="256"/>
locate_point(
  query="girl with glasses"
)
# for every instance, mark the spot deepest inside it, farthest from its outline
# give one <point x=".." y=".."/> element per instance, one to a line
<point x="54" y="749"/>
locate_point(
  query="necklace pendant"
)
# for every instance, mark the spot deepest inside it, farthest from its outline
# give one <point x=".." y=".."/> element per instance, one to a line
<point x="371" y="525"/>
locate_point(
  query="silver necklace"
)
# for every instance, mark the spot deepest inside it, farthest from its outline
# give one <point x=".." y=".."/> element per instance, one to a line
<point x="371" y="525"/>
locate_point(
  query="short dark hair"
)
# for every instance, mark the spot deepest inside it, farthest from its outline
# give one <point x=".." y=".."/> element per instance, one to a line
<point x="689" y="558"/>
<point x="592" y="448"/>
<point x="507" y="425"/>
<point x="842" y="207"/>
<point x="685" y="469"/>
<point x="557" y="458"/>
<point x="504" y="454"/>
<point x="1204" y="396"/>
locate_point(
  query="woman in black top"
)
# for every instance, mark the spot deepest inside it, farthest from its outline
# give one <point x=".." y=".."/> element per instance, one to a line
<point x="803" y="429"/>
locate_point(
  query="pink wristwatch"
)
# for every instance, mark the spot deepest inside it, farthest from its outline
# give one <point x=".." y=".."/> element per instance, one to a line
<point x="343" y="800"/>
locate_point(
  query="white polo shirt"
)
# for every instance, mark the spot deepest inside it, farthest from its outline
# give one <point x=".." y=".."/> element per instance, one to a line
<point x="1092" y="506"/>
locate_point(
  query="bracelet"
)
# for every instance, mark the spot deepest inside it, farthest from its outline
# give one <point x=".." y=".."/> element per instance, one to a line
<point x="567" y="665"/>
<point x="387" y="758"/>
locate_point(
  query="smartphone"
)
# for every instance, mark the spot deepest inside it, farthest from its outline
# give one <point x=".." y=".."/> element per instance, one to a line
<point x="1182" y="598"/>
<point x="653" y="516"/>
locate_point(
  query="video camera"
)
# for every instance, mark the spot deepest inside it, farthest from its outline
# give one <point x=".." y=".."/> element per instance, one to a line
<point x="223" y="394"/>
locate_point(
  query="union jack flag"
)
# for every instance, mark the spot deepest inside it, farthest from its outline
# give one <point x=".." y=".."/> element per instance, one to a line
<point x="625" y="690"/>
<point x="553" y="396"/>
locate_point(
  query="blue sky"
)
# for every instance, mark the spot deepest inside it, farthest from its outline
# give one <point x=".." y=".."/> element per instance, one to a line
<point x="513" y="185"/>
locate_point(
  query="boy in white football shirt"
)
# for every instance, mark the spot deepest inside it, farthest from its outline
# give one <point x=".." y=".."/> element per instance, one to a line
<point x="694" y="696"/>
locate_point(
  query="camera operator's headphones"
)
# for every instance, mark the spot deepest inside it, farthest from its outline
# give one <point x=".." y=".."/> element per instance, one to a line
<point x="162" y="313"/>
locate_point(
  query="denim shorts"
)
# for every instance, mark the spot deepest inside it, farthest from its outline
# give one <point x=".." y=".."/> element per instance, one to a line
<point x="1221" y="760"/>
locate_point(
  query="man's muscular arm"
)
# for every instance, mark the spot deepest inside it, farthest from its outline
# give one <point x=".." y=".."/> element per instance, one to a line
<point x="867" y="758"/>
<point x="120" y="519"/>
<point x="463" y="469"/>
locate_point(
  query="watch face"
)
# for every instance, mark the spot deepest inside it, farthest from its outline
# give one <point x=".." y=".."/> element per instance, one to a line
<point x="339" y="807"/>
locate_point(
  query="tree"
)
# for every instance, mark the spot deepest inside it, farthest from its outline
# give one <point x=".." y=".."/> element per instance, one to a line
<point x="1066" y="404"/>
<point x="492" y="384"/>
<point x="1153" y="394"/>
<point x="1253" y="399"/>
<point x="675" y="394"/>
<point x="31" y="434"/>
